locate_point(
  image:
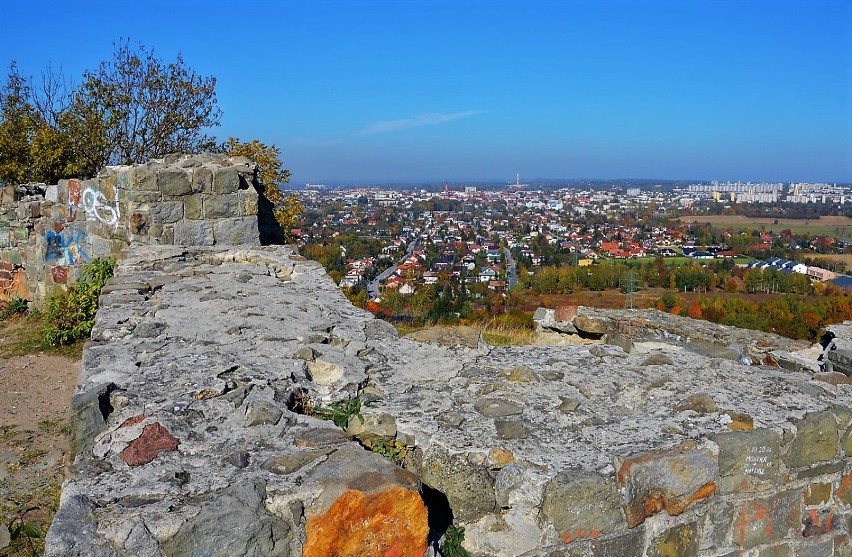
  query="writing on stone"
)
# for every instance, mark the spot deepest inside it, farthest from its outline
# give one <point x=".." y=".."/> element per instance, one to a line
<point x="758" y="460"/>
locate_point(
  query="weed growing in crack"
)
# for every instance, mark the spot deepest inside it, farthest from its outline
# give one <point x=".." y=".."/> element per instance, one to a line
<point x="452" y="546"/>
<point x="340" y="411"/>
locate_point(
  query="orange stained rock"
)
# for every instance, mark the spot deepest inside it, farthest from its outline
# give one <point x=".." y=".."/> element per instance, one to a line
<point x="843" y="490"/>
<point x="703" y="492"/>
<point x="580" y="533"/>
<point x="392" y="523"/>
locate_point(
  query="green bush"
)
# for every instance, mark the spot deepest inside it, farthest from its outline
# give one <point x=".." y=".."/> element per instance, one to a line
<point x="70" y="315"/>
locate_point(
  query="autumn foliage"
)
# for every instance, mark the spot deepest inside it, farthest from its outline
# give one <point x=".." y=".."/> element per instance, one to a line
<point x="799" y="317"/>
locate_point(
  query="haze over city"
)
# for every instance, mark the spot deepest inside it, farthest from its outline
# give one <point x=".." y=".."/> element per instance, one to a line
<point x="386" y="91"/>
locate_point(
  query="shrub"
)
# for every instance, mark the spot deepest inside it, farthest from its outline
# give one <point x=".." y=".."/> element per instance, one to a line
<point x="70" y="315"/>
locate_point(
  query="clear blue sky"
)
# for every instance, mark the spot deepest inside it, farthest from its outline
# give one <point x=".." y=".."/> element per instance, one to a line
<point x="464" y="90"/>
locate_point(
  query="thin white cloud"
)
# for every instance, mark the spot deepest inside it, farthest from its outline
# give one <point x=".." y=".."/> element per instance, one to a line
<point x="431" y="119"/>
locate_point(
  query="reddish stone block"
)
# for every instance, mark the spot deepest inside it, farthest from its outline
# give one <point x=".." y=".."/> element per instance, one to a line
<point x="155" y="439"/>
<point x="566" y="313"/>
<point x="74" y="192"/>
<point x="59" y="274"/>
<point x="6" y="266"/>
<point x="138" y="223"/>
<point x="392" y="523"/>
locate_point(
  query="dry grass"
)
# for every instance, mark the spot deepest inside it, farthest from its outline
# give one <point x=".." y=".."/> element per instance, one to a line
<point x="22" y="334"/>
<point x="404" y="329"/>
<point x="495" y="334"/>
<point x="824" y="226"/>
<point x="502" y="335"/>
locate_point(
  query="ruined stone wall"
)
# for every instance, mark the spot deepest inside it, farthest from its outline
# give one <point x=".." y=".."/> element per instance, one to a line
<point x="47" y="232"/>
<point x="193" y="433"/>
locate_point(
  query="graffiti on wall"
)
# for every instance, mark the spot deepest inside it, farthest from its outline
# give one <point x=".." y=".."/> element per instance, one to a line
<point x="66" y="247"/>
<point x="94" y="203"/>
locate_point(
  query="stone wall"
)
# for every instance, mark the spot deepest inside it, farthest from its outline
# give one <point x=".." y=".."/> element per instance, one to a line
<point x="47" y="232"/>
<point x="193" y="433"/>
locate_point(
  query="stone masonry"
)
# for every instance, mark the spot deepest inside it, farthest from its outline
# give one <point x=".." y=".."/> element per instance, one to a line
<point x="47" y="232"/>
<point x="193" y="432"/>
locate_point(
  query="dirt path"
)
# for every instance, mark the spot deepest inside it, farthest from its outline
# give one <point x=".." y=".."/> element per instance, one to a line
<point x="35" y="391"/>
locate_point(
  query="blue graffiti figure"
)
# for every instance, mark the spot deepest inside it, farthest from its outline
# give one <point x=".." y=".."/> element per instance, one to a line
<point x="65" y="247"/>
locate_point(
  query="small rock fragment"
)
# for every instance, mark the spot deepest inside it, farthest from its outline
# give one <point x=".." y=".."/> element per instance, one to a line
<point x="510" y="429"/>
<point x="496" y="408"/>
<point x="568" y="404"/>
<point x="262" y="413"/>
<point x="238" y="459"/>
<point x="155" y="439"/>
<point x="520" y="374"/>
<point x="701" y="403"/>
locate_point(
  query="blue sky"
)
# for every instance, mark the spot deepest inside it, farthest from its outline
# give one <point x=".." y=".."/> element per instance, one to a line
<point x="384" y="91"/>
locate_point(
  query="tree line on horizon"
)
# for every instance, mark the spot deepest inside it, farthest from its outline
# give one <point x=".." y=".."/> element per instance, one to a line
<point x="128" y="110"/>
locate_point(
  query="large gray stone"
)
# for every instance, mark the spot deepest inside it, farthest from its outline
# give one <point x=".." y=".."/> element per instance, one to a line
<point x="142" y="178"/>
<point x="194" y="233"/>
<point x="231" y="522"/>
<point x="193" y="206"/>
<point x="816" y="440"/>
<point x="590" y="325"/>
<point x="715" y="526"/>
<point x="469" y="487"/>
<point x="88" y="412"/>
<point x="73" y="532"/>
<point x="582" y="504"/>
<point x="226" y="180"/>
<point x="748" y="460"/>
<point x="202" y="180"/>
<point x="174" y="181"/>
<point x="166" y="212"/>
<point x="262" y="413"/>
<point x="236" y="231"/>
<point x="221" y="206"/>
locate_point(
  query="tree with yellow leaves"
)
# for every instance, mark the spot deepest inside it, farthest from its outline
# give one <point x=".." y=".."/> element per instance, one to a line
<point x="287" y="209"/>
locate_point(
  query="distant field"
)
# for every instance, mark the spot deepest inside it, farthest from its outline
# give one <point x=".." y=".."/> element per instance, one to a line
<point x="825" y="226"/>
<point x="844" y="257"/>
<point x="684" y="260"/>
